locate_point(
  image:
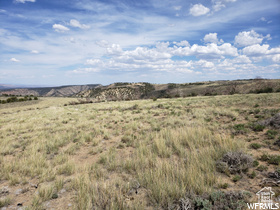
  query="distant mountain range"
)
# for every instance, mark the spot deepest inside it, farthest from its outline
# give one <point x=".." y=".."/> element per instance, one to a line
<point x="143" y="90"/>
<point x="134" y="91"/>
<point x="61" y="91"/>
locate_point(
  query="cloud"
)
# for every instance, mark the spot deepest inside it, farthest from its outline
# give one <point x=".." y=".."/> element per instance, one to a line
<point x="263" y="19"/>
<point x="247" y="38"/>
<point x="102" y="43"/>
<point x="85" y="70"/>
<point x="115" y="49"/>
<point x="198" y="10"/>
<point x="276" y="58"/>
<point x="160" y="57"/>
<point x="258" y="52"/>
<point x="241" y="59"/>
<point x="177" y="8"/>
<point x="14" y="60"/>
<point x="212" y="38"/>
<point x="77" y="24"/>
<point x="211" y="51"/>
<point x="60" y="28"/>
<point x="183" y="43"/>
<point x="217" y="6"/>
<point x="95" y="62"/>
<point x="205" y="64"/>
<point x="23" y="1"/>
<point x="34" y="51"/>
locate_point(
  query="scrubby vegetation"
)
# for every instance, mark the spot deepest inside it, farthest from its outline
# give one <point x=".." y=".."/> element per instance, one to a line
<point x="133" y="91"/>
<point x="12" y="99"/>
<point x="198" y="152"/>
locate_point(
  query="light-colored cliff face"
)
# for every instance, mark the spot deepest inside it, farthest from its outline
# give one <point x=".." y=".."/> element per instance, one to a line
<point x="68" y="91"/>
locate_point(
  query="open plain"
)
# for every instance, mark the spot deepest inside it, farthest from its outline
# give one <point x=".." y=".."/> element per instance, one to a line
<point x="144" y="154"/>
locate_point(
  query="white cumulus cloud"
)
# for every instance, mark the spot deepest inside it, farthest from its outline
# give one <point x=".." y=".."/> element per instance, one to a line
<point x="247" y="38"/>
<point x="77" y="24"/>
<point x="212" y="38"/>
<point x="60" y="28"/>
<point x="14" y="60"/>
<point x="276" y="58"/>
<point x="115" y="49"/>
<point x="183" y="43"/>
<point x="256" y="50"/>
<point x="210" y="51"/>
<point x="198" y="10"/>
<point x="259" y="52"/>
<point x="241" y="59"/>
<point x="205" y="64"/>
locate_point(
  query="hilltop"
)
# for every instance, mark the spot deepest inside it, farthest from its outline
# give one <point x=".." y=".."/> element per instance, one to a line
<point x="142" y="90"/>
<point x="133" y="91"/>
<point x="60" y="91"/>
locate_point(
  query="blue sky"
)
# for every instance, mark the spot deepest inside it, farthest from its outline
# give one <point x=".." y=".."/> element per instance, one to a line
<point x="59" y="42"/>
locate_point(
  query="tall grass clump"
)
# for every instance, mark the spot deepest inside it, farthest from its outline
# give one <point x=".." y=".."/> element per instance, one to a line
<point x="179" y="161"/>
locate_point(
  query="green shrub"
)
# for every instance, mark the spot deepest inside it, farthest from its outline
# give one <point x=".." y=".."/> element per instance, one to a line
<point x="257" y="127"/>
<point x="54" y="196"/>
<point x="271" y="134"/>
<point x="224" y="186"/>
<point x="160" y="106"/>
<point x="135" y="106"/>
<point x="264" y="157"/>
<point x="274" y="159"/>
<point x="234" y="162"/>
<point x="271" y="159"/>
<point x="262" y="168"/>
<point x="263" y="90"/>
<point x="236" y="178"/>
<point x="239" y="127"/>
<point x="193" y="94"/>
<point x="255" y="146"/>
<point x="257" y="111"/>
<point x="255" y="163"/>
<point x="5" y="202"/>
<point x="252" y="175"/>
<point x="220" y="200"/>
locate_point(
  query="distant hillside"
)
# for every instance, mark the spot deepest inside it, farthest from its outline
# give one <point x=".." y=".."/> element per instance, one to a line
<point x="62" y="91"/>
<point x="133" y="91"/>
<point x="5" y="87"/>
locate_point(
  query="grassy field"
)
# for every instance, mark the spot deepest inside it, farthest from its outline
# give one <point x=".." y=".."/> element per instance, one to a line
<point x="135" y="154"/>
